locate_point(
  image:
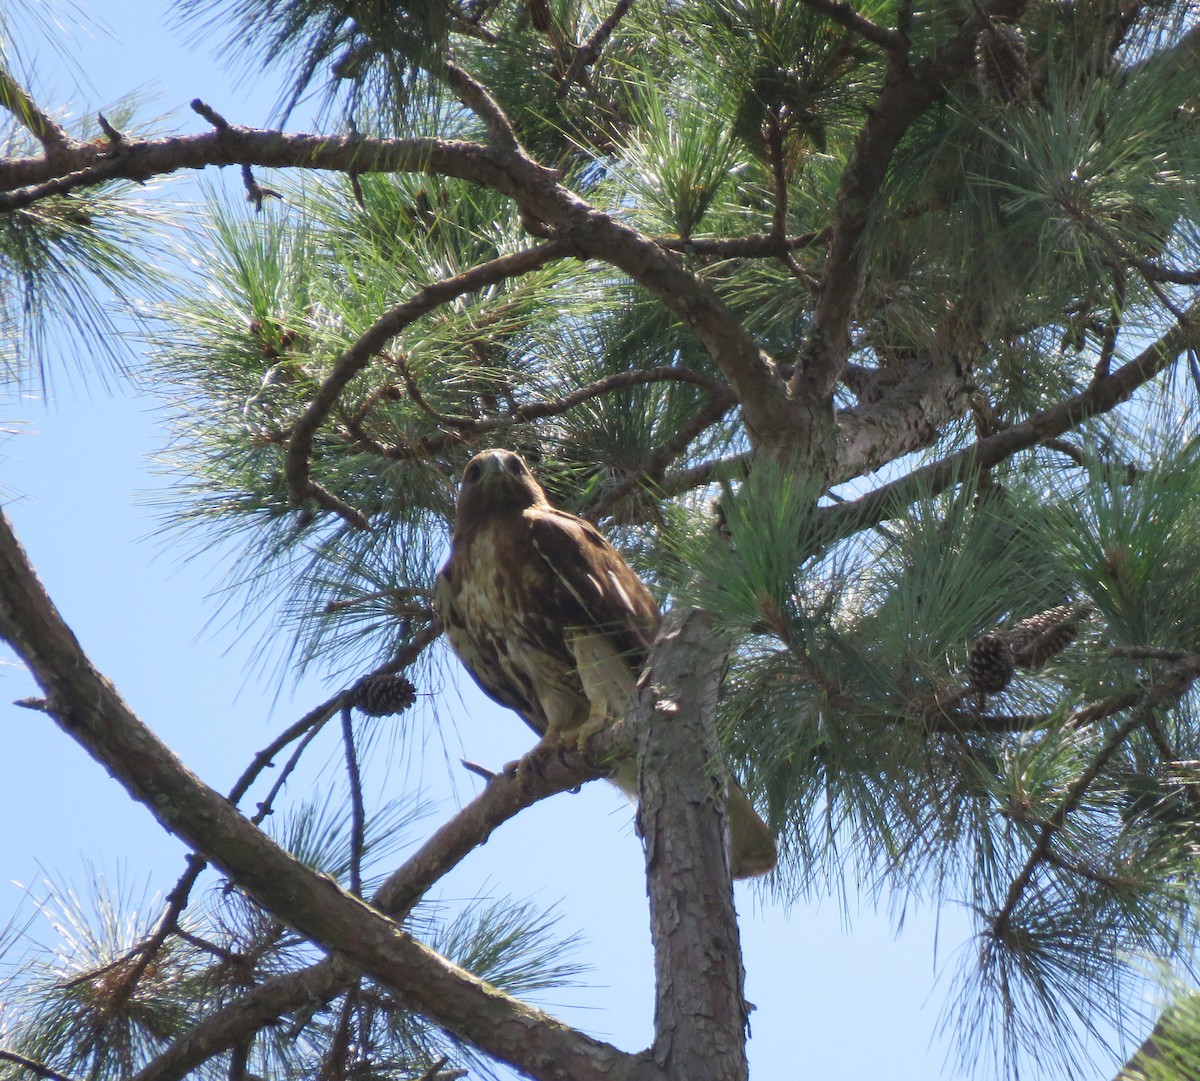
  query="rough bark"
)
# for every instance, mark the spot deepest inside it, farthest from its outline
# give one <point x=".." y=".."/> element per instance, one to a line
<point x="700" y="1012"/>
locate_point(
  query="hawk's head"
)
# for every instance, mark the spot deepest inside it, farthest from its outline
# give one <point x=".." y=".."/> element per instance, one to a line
<point x="495" y="482"/>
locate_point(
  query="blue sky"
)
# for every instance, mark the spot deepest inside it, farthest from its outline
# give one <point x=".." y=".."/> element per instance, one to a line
<point x="838" y="994"/>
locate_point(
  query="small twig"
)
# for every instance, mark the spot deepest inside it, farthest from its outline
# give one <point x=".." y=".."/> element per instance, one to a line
<point x="357" y="810"/>
<point x="219" y="952"/>
<point x="266" y="805"/>
<point x="656" y="464"/>
<point x="110" y="133"/>
<point x="41" y="705"/>
<point x="1075" y="868"/>
<point x="323" y="497"/>
<point x="417" y="645"/>
<point x="477" y="769"/>
<point x="589" y="52"/>
<point x="255" y="193"/>
<point x="210" y="114"/>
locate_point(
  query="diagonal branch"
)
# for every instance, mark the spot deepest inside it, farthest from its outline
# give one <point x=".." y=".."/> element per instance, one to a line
<point x="299" y="448"/>
<point x="322" y="982"/>
<point x="1103" y="395"/>
<point x="1167" y="690"/>
<point x="89" y="709"/>
<point x="15" y="98"/>
<point x="845" y="15"/>
<point x="907" y="92"/>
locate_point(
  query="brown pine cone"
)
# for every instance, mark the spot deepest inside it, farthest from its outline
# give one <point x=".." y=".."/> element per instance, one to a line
<point x="1040" y="638"/>
<point x="990" y="664"/>
<point x="1003" y="60"/>
<point x="381" y="695"/>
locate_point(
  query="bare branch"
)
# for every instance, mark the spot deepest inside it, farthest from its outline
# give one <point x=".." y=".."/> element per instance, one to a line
<point x="89" y="709"/>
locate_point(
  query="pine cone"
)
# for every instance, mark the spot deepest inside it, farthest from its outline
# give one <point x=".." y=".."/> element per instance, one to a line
<point x="381" y="695"/>
<point x="990" y="665"/>
<point x="1003" y="60"/>
<point x="1036" y="640"/>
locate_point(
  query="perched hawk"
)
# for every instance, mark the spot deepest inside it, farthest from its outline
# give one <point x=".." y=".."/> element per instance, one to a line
<point x="552" y="622"/>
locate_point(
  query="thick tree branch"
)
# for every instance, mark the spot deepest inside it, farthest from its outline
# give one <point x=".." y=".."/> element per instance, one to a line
<point x="590" y="232"/>
<point x="504" y="796"/>
<point x="1104" y="394"/>
<point x="90" y="710"/>
<point x="909" y="417"/>
<point x="907" y="92"/>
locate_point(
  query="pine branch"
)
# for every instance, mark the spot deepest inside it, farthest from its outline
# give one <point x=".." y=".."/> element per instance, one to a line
<point x="1103" y="395"/>
<point x="588" y="232"/>
<point x="358" y="812"/>
<point x="1168" y="688"/>
<point x="589" y="52"/>
<point x="522" y="414"/>
<point x="476" y="98"/>
<point x="16" y="99"/>
<point x="844" y="15"/>
<point x="88" y="708"/>
<point x="907" y="92"/>
<point x="299" y="447"/>
<point x="758" y="246"/>
<point x="504" y="796"/>
<point x="655" y="465"/>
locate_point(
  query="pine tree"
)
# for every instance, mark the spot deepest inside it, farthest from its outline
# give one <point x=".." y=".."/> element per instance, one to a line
<point x="867" y="332"/>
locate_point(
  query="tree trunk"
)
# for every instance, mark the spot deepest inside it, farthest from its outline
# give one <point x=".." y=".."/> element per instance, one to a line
<point x="700" y="1011"/>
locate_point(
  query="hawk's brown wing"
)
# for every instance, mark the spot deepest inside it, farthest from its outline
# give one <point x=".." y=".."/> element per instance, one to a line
<point x="595" y="588"/>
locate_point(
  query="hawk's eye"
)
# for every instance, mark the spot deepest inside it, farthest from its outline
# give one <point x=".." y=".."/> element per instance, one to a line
<point x="472" y="473"/>
<point x="514" y="465"/>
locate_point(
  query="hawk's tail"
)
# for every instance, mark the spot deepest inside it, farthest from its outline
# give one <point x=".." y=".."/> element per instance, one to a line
<point x="751" y="842"/>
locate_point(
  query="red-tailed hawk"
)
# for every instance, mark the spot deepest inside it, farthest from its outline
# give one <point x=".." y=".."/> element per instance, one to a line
<point x="552" y="622"/>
